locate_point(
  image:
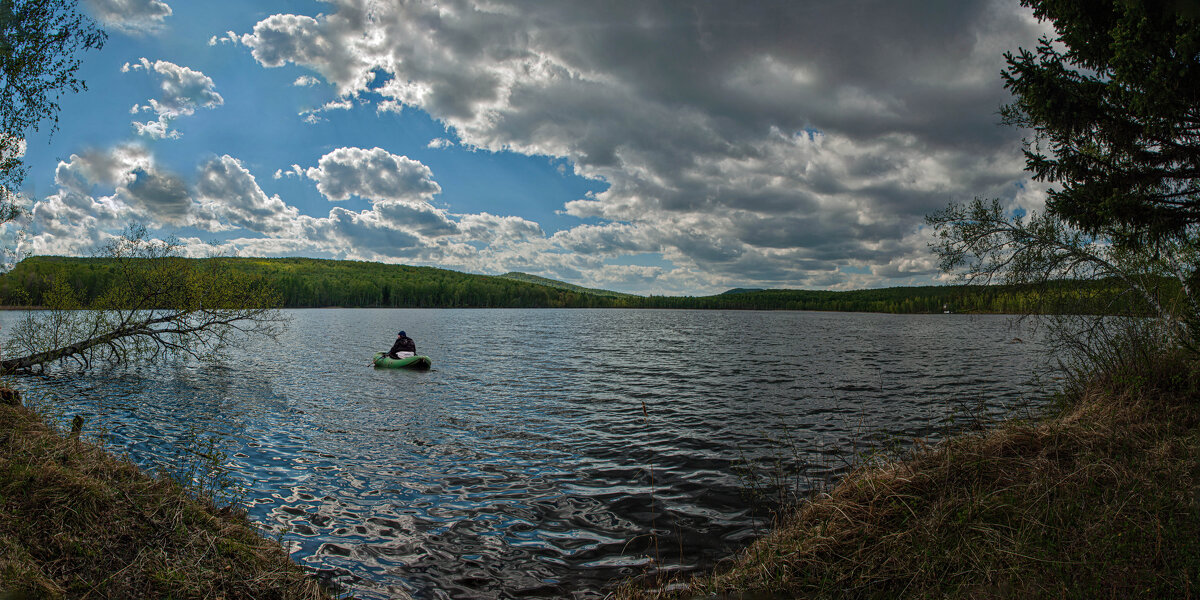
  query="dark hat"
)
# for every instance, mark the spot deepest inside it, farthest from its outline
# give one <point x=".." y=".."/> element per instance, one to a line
<point x="401" y="333"/>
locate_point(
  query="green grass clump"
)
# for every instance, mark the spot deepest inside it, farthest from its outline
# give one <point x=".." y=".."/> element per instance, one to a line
<point x="1100" y="499"/>
<point x="77" y="522"/>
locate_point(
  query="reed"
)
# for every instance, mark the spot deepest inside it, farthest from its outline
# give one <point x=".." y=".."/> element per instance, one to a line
<point x="1096" y="498"/>
<point x="77" y="522"/>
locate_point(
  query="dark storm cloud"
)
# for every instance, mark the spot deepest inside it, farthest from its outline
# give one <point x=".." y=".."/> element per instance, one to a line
<point x="819" y="124"/>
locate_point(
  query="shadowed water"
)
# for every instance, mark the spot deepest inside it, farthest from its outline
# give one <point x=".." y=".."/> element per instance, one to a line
<point x="549" y="452"/>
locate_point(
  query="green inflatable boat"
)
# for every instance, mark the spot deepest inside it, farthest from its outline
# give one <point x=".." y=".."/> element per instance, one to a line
<point x="408" y="362"/>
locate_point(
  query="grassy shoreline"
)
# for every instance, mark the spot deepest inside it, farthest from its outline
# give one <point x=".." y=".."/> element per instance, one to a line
<point x="77" y="522"/>
<point x="1098" y="498"/>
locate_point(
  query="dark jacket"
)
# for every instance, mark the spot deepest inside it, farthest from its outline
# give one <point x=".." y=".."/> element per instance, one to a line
<point x="403" y="344"/>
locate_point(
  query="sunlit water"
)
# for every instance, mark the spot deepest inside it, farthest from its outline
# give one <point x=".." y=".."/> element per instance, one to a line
<point x="549" y="452"/>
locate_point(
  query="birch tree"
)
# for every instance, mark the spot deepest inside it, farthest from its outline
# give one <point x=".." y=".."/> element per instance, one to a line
<point x="159" y="305"/>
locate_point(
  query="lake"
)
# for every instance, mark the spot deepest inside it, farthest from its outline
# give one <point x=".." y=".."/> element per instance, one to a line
<point x="549" y="453"/>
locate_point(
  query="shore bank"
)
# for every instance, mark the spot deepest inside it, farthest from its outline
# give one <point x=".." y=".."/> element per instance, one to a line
<point x="77" y="522"/>
<point x="1100" y="498"/>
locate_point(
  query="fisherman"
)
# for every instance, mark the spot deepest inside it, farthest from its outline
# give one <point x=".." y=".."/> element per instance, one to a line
<point x="403" y="347"/>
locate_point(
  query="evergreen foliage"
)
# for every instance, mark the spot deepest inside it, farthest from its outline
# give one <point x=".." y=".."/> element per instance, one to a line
<point x="1114" y="102"/>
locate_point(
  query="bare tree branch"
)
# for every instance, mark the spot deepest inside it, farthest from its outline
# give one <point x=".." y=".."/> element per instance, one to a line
<point x="161" y="305"/>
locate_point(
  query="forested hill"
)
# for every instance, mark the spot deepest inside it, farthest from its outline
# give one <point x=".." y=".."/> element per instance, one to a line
<point x="554" y="283"/>
<point x="307" y="282"/>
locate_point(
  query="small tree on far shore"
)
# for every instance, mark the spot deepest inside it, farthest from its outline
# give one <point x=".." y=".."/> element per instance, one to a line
<point x="160" y="305"/>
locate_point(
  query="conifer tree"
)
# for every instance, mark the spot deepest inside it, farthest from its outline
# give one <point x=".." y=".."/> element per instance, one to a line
<point x="1114" y="105"/>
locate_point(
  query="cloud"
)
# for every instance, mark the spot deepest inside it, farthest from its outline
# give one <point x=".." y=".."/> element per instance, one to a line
<point x="374" y="174"/>
<point x="361" y="233"/>
<point x="101" y="168"/>
<point x="183" y="91"/>
<point x="65" y="226"/>
<point x="420" y="218"/>
<point x="612" y="239"/>
<point x="135" y="17"/>
<point x="229" y="38"/>
<point x="100" y="191"/>
<point x="398" y="188"/>
<point x="139" y="189"/>
<point x="230" y="196"/>
<point x="488" y="228"/>
<point x="781" y="141"/>
<point x="279" y="39"/>
<point x="292" y="171"/>
<point x="163" y="196"/>
<point x="763" y="143"/>
<point x="314" y="115"/>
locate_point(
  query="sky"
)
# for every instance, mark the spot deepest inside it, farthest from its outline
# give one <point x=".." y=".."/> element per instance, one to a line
<point x="648" y="147"/>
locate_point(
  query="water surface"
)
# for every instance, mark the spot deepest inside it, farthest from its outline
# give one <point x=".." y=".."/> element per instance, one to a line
<point x="549" y="452"/>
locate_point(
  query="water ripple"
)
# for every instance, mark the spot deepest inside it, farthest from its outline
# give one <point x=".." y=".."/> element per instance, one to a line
<point x="548" y="453"/>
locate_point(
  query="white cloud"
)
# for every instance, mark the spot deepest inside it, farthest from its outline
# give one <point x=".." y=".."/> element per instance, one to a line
<point x="158" y="130"/>
<point x="230" y="195"/>
<point x="136" y="17"/>
<point x="163" y="196"/>
<point x="183" y="91"/>
<point x="95" y="172"/>
<point x="323" y="44"/>
<point x="99" y="191"/>
<point x="314" y="115"/>
<point x="608" y="240"/>
<point x="734" y="143"/>
<point x="492" y="229"/>
<point x="420" y="218"/>
<point x="731" y="144"/>
<point x="292" y="171"/>
<point x="11" y="147"/>
<point x="374" y="174"/>
<point x="229" y="38"/>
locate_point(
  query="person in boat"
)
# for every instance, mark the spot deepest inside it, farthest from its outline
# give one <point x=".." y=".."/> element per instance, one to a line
<point x="403" y="347"/>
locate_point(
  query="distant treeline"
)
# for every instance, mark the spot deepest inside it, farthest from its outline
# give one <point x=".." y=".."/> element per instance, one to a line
<point x="562" y="285"/>
<point x="308" y="283"/>
<point x="1095" y="297"/>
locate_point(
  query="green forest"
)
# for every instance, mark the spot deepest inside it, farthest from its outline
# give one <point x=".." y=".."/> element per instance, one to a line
<point x="317" y="283"/>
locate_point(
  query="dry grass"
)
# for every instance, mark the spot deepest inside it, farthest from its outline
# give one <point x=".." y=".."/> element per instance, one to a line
<point x="76" y="522"/>
<point x="1100" y="500"/>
